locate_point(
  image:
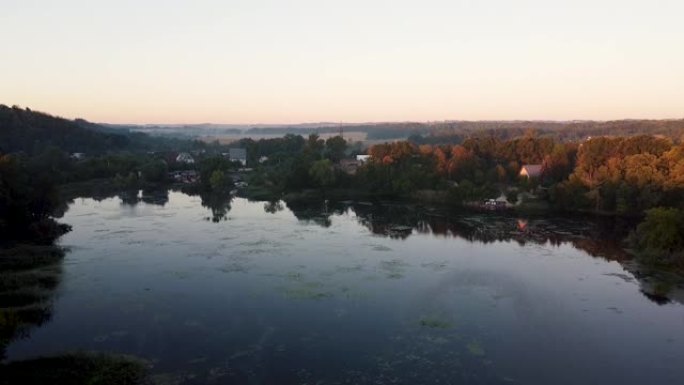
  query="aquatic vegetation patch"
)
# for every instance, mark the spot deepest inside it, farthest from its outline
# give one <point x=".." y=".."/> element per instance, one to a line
<point x="78" y="368"/>
<point x="433" y="322"/>
<point x="23" y="297"/>
<point x="181" y="274"/>
<point x="115" y="335"/>
<point x="307" y="290"/>
<point x="46" y="278"/>
<point x="435" y="266"/>
<point x="475" y="348"/>
<point x="294" y="276"/>
<point x="16" y="321"/>
<point x="28" y="276"/>
<point x="25" y="257"/>
<point x="234" y="267"/>
<point x="415" y="359"/>
<point x="348" y="269"/>
<point x="441" y="339"/>
<point x="394" y="269"/>
<point x="353" y="294"/>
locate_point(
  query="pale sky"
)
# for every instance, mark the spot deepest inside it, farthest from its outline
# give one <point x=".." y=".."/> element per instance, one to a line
<point x="289" y="61"/>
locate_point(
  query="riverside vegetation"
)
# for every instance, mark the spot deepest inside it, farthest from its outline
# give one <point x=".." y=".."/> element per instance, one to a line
<point x="616" y="175"/>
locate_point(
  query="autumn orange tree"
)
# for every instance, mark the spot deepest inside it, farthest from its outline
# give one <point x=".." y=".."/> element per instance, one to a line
<point x="630" y="175"/>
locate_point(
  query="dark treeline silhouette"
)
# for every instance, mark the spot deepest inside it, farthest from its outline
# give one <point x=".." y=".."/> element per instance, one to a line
<point x="23" y="130"/>
<point x="32" y="133"/>
<point x="28" y="201"/>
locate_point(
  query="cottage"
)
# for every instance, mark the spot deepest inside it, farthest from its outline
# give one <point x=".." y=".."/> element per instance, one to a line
<point x="531" y="171"/>
<point x="238" y="155"/>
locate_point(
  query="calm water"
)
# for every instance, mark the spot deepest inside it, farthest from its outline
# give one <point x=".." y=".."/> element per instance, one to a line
<point x="253" y="293"/>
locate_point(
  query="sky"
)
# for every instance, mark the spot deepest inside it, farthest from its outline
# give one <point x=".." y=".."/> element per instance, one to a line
<point x="291" y="61"/>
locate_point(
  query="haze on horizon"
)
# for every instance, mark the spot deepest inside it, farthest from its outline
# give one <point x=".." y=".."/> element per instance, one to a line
<point x="269" y="61"/>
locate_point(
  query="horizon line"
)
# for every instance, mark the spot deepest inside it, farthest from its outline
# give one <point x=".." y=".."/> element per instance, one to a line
<point x="351" y="123"/>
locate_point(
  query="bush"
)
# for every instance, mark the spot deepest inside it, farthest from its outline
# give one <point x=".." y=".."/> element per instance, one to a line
<point x="659" y="237"/>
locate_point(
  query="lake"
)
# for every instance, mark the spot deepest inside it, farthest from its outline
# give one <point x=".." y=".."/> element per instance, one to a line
<point x="353" y="293"/>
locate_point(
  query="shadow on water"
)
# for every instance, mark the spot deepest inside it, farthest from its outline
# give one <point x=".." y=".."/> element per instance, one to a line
<point x="29" y="276"/>
<point x="600" y="237"/>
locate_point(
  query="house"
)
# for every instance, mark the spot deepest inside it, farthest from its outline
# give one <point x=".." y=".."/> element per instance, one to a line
<point x="187" y="176"/>
<point x="185" y="157"/>
<point x="531" y="171"/>
<point x="362" y="158"/>
<point x="499" y="203"/>
<point x="238" y="155"/>
<point x="349" y="166"/>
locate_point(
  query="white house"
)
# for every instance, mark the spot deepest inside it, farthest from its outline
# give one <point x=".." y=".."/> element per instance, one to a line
<point x="362" y="158"/>
<point x="238" y="155"/>
<point x="185" y="157"/>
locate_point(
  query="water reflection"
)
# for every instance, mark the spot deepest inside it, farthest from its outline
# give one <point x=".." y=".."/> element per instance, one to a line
<point x="273" y="207"/>
<point x="158" y="197"/>
<point x="316" y="211"/>
<point x="355" y="292"/>
<point x="598" y="237"/>
<point x="219" y="204"/>
<point x="29" y="276"/>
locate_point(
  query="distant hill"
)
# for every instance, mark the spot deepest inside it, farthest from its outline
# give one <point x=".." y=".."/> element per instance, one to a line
<point x="31" y="132"/>
<point x="440" y="132"/>
<point x="24" y="130"/>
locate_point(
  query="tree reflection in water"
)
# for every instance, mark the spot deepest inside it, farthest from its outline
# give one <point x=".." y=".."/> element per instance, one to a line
<point x="219" y="204"/>
<point x="318" y="212"/>
<point x="273" y="207"/>
<point x="29" y="276"/>
<point x="597" y="236"/>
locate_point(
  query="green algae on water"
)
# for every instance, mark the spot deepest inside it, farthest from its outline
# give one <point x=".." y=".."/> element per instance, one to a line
<point x="435" y="323"/>
<point x="475" y="348"/>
